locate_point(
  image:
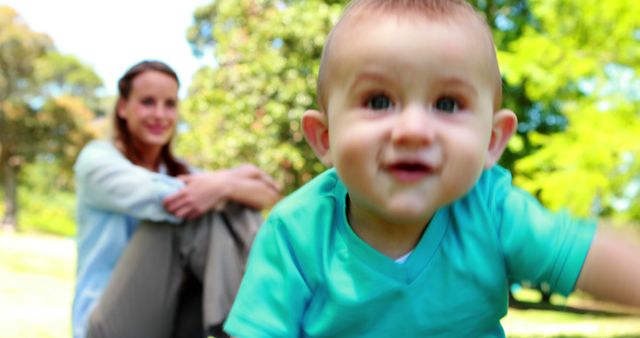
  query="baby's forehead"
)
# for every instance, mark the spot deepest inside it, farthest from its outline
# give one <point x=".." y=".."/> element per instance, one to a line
<point x="352" y="28"/>
<point x="462" y="17"/>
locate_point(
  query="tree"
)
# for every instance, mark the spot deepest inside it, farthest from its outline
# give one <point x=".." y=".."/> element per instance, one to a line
<point x="584" y="56"/>
<point x="591" y="166"/>
<point x="19" y="48"/>
<point x="59" y="74"/>
<point x="37" y="119"/>
<point x="248" y="106"/>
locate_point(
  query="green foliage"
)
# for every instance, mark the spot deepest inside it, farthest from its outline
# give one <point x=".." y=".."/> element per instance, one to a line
<point x="573" y="43"/>
<point x="247" y="107"/>
<point x="588" y="167"/>
<point x="52" y="213"/>
<point x="67" y="124"/>
<point x="64" y="74"/>
<point x="576" y="60"/>
<point x="19" y="48"/>
<point x="47" y="204"/>
<point x="45" y="100"/>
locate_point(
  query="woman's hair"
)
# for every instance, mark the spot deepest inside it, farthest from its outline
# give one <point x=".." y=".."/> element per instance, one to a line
<point x="121" y="132"/>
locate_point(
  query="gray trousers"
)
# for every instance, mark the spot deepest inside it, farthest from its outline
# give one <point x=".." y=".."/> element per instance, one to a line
<point x="177" y="280"/>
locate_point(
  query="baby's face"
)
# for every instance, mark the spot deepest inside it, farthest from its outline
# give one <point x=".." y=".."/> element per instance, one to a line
<point x="410" y="114"/>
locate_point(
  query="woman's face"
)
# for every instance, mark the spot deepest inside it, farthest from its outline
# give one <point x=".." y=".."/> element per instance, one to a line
<point x="151" y="111"/>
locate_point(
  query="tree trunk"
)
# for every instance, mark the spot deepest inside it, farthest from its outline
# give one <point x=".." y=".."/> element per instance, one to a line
<point x="10" y="185"/>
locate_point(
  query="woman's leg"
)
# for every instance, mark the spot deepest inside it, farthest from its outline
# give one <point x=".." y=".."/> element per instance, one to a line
<point x="215" y="247"/>
<point x="193" y="243"/>
<point x="232" y="233"/>
<point x="188" y="321"/>
<point x="142" y="295"/>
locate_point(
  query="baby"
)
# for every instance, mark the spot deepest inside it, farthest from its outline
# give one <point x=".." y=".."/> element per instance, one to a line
<point x="415" y="231"/>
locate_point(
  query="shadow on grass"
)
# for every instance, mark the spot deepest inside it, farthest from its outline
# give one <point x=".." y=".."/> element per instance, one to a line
<point x="580" y="336"/>
<point x="544" y="306"/>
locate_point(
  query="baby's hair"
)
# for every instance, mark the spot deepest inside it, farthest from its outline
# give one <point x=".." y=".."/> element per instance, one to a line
<point x="434" y="10"/>
<point x="426" y="7"/>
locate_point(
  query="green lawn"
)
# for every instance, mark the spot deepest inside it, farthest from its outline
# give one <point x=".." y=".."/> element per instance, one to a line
<point x="533" y="323"/>
<point x="36" y="283"/>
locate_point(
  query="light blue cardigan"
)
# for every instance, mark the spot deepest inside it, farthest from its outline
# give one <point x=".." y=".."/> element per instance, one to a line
<point x="113" y="194"/>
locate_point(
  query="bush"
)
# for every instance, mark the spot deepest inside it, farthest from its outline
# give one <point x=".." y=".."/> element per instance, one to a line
<point x="47" y="212"/>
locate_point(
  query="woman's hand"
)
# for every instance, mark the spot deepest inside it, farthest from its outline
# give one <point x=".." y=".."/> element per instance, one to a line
<point x="245" y="184"/>
<point x="253" y="187"/>
<point x="201" y="193"/>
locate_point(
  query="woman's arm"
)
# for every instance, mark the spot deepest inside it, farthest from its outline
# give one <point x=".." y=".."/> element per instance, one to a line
<point x="254" y="187"/>
<point x="245" y="184"/>
<point x="105" y="179"/>
<point x="611" y="271"/>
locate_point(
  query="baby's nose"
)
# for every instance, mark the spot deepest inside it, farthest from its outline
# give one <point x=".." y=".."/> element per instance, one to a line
<point x="414" y="126"/>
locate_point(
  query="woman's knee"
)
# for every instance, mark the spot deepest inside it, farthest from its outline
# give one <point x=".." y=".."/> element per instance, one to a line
<point x="96" y="326"/>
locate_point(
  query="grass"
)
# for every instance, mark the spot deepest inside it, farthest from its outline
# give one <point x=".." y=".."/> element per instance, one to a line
<point x="600" y="320"/>
<point x="534" y="323"/>
<point x="36" y="288"/>
<point x="36" y="283"/>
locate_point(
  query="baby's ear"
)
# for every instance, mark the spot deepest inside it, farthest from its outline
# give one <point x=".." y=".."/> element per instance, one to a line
<point x="504" y="125"/>
<point x="316" y="131"/>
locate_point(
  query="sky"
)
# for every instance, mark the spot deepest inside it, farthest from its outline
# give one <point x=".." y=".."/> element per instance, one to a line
<point x="112" y="35"/>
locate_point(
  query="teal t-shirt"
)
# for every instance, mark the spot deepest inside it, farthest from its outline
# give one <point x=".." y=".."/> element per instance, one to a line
<point x="310" y="275"/>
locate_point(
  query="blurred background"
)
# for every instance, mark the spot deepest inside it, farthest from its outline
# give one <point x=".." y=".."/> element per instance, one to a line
<point x="248" y="70"/>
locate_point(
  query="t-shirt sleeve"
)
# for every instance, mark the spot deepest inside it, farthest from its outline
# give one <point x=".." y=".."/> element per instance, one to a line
<point x="107" y="180"/>
<point x="273" y="293"/>
<point x="541" y="247"/>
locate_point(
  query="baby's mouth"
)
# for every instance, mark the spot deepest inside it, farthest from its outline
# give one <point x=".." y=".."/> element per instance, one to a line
<point x="410" y="171"/>
<point x="411" y="167"/>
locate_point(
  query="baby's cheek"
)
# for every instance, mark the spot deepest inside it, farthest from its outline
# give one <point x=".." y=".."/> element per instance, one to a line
<point x="351" y="145"/>
<point x="353" y="156"/>
<point x="465" y="165"/>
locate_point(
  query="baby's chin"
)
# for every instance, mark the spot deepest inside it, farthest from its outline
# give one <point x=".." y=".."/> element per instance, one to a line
<point x="410" y="213"/>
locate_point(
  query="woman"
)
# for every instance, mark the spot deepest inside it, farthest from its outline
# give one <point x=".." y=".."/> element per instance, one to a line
<point x="146" y="280"/>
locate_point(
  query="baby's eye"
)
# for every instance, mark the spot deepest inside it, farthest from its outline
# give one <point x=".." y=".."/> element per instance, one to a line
<point x="379" y="102"/>
<point x="447" y="104"/>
